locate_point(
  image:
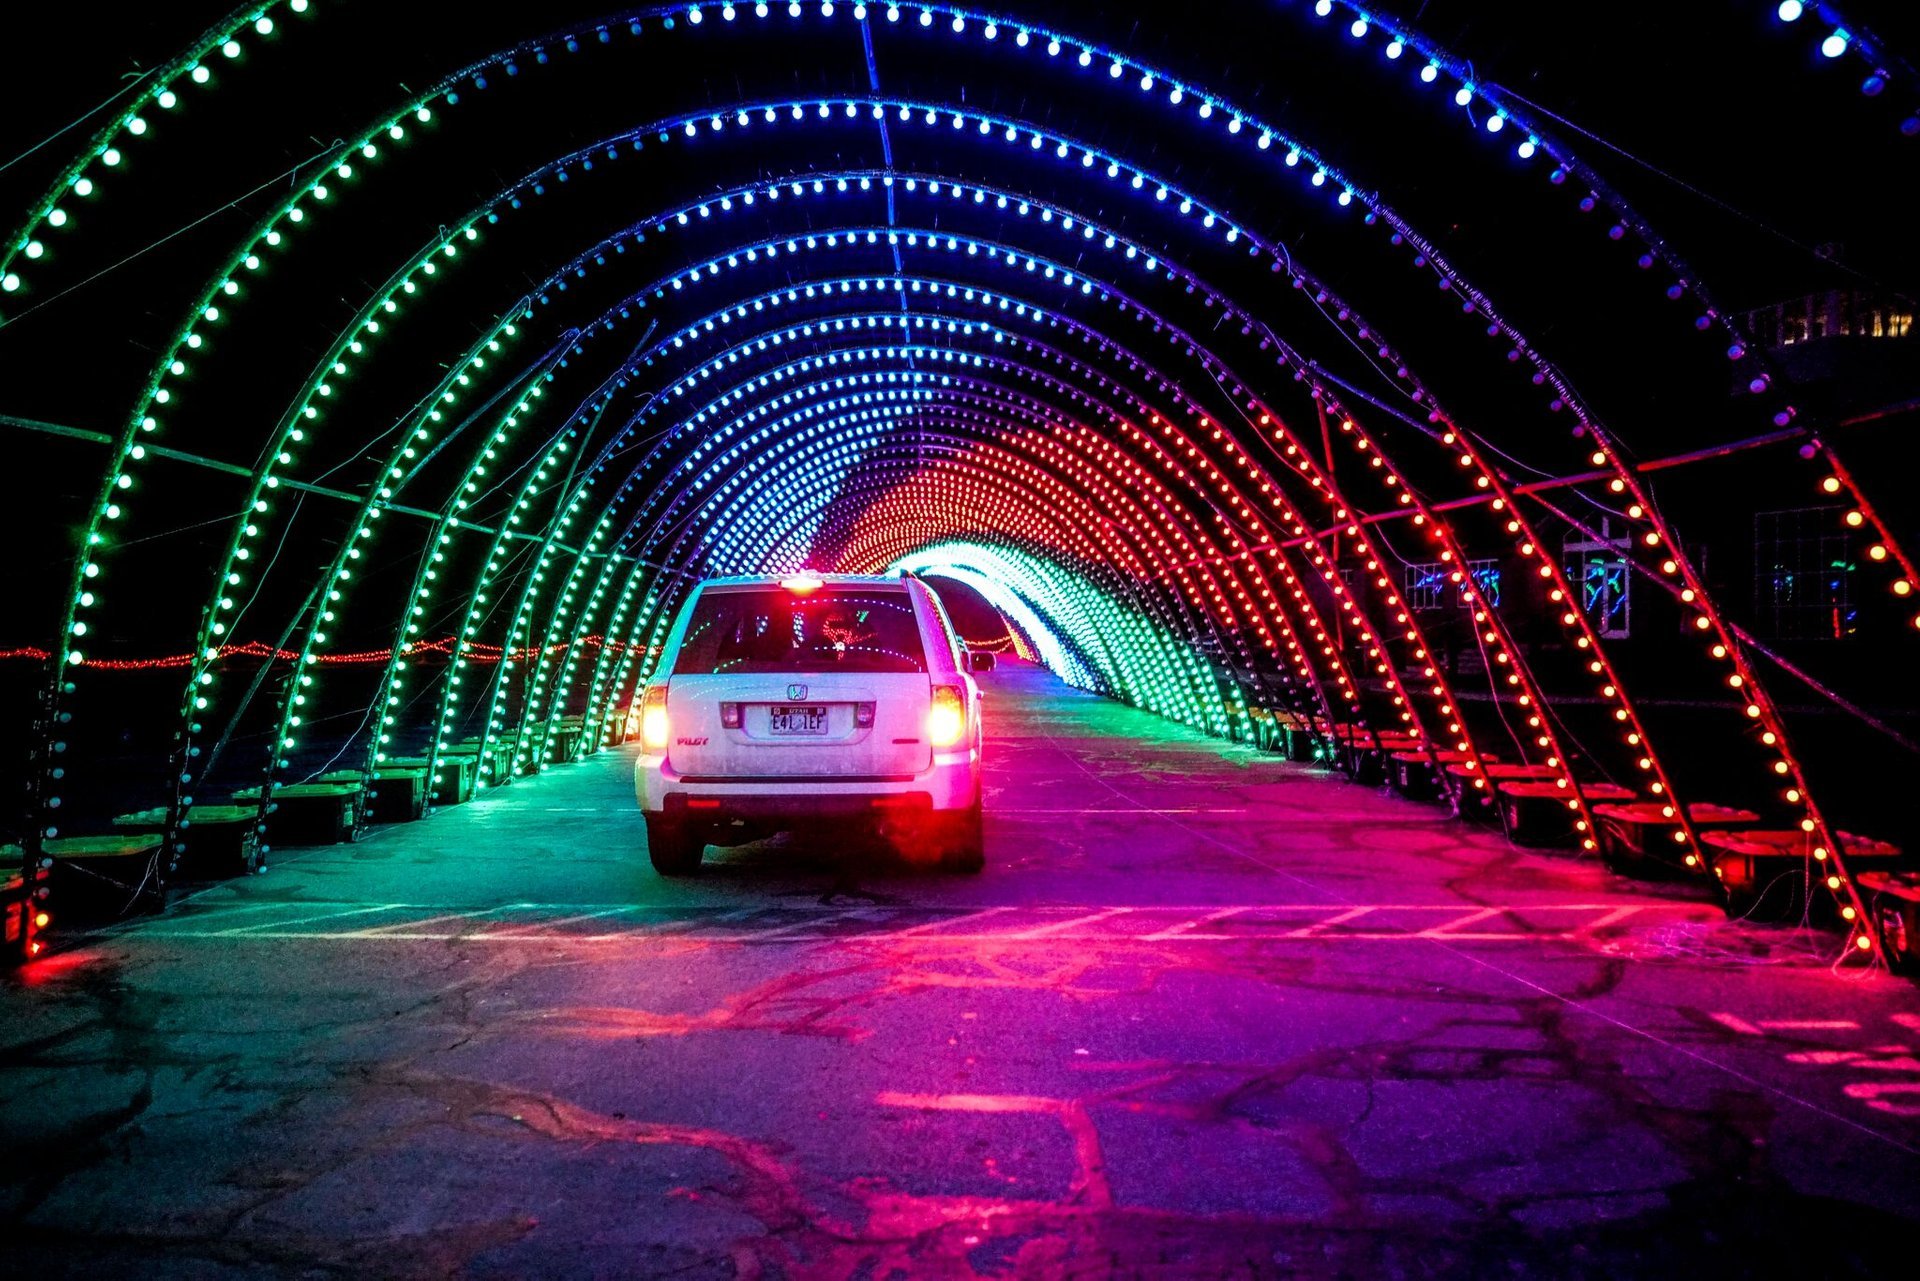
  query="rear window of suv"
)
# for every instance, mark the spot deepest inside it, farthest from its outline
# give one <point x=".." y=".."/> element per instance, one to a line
<point x="759" y="630"/>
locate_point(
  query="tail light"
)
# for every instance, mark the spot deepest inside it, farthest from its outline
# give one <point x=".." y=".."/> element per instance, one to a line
<point x="729" y="716"/>
<point x="863" y="715"/>
<point x="653" y="718"/>
<point x="947" y="718"/>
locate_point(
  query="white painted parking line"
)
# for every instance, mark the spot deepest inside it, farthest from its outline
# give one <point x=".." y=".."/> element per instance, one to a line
<point x="1448" y="929"/>
<point x="1175" y="931"/>
<point x="784" y="931"/>
<point x="400" y="933"/>
<point x="303" y="920"/>
<point x="1340" y="918"/>
<point x="1110" y="924"/>
<point x="687" y="926"/>
<point x="1614" y="917"/>
<point x="518" y="930"/>
<point x="1059" y="927"/>
<point x="377" y="930"/>
<point x="934" y="925"/>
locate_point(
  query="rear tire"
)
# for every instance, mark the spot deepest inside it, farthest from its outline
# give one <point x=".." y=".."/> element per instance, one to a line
<point x="675" y="849"/>
<point x="965" y="850"/>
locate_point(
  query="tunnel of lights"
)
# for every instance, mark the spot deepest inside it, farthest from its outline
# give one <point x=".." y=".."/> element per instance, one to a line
<point x="475" y="400"/>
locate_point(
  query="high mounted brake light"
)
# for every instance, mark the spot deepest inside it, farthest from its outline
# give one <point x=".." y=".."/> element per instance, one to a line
<point x="802" y="584"/>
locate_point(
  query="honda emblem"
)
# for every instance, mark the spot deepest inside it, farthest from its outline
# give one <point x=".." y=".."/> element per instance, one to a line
<point x="796" y="692"/>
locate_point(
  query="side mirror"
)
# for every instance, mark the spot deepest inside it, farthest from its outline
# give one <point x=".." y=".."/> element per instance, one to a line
<point x="979" y="660"/>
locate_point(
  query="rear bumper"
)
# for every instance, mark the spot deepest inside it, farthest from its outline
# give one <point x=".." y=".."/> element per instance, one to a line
<point x="953" y="783"/>
<point x="774" y="810"/>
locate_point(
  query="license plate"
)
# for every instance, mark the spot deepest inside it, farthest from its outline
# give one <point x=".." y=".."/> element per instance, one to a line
<point x="797" y="720"/>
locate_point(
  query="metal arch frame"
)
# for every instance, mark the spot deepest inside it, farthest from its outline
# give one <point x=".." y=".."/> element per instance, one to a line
<point x="159" y="93"/>
<point x="1127" y="681"/>
<point x="1556" y="749"/>
<point x="663" y="222"/>
<point x="887" y="463"/>
<point x="797" y="392"/>
<point x="814" y="360"/>
<point x="824" y="322"/>
<point x="817" y="183"/>
<point x="1182" y="337"/>
<point x="949" y="241"/>
<point x="990" y="417"/>
<point x="800" y="480"/>
<point x="1712" y="622"/>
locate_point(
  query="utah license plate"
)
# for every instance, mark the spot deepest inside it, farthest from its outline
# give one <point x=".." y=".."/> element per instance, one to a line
<point x="797" y="720"/>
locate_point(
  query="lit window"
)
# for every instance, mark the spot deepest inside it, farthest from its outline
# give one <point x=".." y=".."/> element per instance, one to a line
<point x="1486" y="579"/>
<point x="1425" y="584"/>
<point x="1602" y="580"/>
<point x="1803" y="574"/>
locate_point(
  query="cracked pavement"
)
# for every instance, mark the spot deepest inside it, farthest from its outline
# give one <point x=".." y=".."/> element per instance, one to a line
<point x="1207" y="1013"/>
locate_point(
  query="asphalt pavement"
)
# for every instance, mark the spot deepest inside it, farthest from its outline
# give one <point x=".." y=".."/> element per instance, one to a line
<point x="1206" y="1013"/>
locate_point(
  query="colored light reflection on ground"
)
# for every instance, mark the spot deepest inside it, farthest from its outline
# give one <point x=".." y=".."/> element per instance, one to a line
<point x="1205" y="1011"/>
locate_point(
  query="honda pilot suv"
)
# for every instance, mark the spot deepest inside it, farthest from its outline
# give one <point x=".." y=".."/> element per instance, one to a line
<point x="805" y="703"/>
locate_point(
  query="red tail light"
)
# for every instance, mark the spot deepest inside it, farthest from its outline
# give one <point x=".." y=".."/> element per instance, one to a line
<point x="653" y="718"/>
<point x="863" y="715"/>
<point x="947" y="718"/>
<point x="730" y="716"/>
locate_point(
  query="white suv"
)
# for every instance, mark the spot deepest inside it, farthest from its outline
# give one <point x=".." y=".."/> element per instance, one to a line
<point x="793" y="704"/>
